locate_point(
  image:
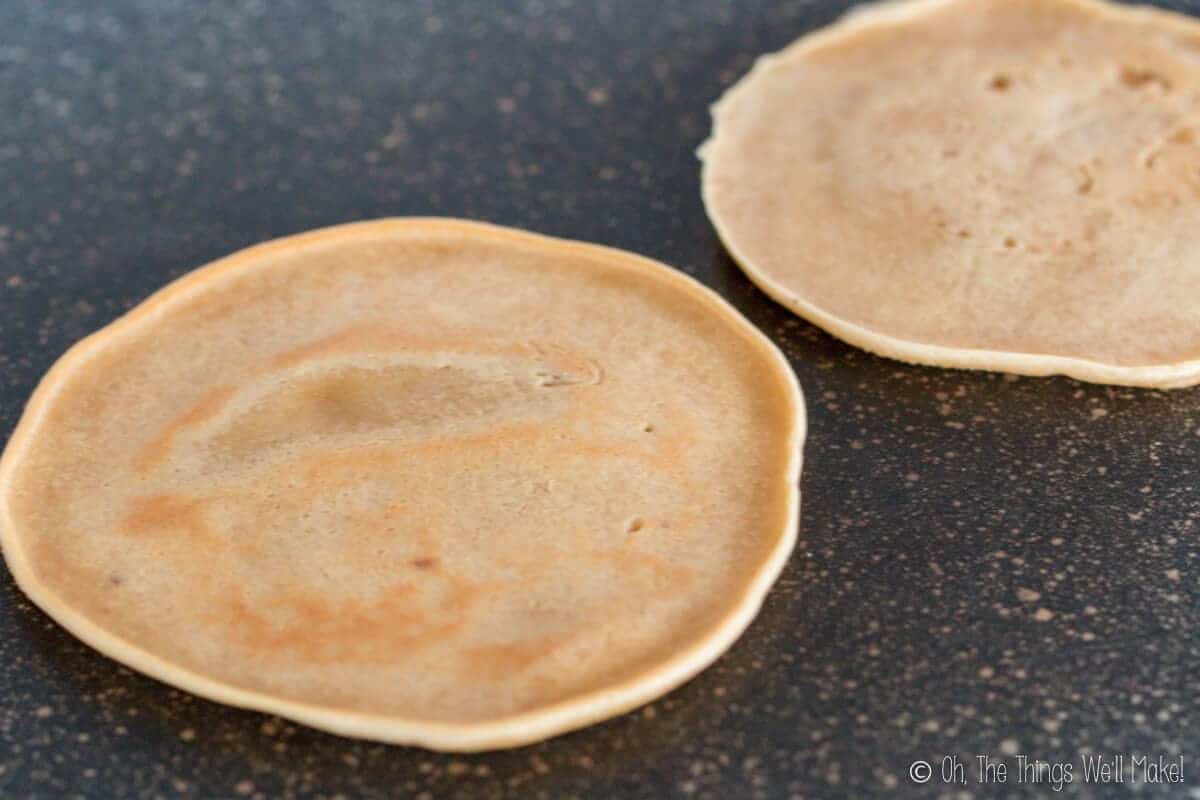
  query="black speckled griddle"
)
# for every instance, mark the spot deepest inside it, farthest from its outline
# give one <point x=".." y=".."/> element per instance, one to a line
<point x="989" y="565"/>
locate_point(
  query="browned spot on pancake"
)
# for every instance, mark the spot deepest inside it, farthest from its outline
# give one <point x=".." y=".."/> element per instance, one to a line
<point x="424" y="563"/>
<point x="306" y="623"/>
<point x="160" y="447"/>
<point x="181" y="520"/>
<point x="167" y="512"/>
<point x="498" y="662"/>
<point x="1136" y="78"/>
<point x="1086" y="181"/>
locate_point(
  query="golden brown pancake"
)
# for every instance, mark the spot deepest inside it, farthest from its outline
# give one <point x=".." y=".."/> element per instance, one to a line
<point x="421" y="481"/>
<point x="994" y="184"/>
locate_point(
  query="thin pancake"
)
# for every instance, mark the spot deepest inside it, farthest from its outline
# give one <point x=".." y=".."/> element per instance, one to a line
<point x="995" y="184"/>
<point x="420" y="481"/>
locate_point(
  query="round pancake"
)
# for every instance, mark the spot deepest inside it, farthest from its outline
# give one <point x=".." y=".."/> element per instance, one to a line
<point x="421" y="481"/>
<point x="994" y="184"/>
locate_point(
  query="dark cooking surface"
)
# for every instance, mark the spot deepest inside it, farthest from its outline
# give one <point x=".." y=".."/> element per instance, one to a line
<point x="989" y="565"/>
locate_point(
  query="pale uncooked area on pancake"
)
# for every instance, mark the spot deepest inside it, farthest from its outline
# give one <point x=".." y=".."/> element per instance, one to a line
<point x="415" y="480"/>
<point x="995" y="184"/>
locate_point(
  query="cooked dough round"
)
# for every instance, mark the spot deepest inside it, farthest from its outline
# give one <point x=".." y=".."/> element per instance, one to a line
<point x="993" y="184"/>
<point x="421" y="481"/>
